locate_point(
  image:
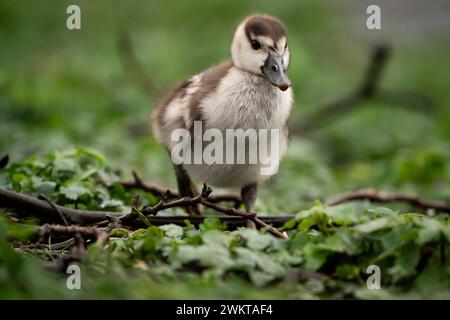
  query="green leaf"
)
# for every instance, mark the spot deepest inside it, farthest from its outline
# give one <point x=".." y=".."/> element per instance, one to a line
<point x="255" y="240"/>
<point x="172" y="230"/>
<point x="212" y="224"/>
<point x="207" y="255"/>
<point x="119" y="233"/>
<point x="73" y="192"/>
<point x="374" y="225"/>
<point x="430" y="230"/>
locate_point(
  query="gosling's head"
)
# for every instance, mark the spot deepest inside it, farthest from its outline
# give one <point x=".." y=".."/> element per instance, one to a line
<point x="260" y="47"/>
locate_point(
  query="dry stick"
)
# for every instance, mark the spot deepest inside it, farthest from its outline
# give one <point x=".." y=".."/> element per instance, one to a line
<point x="23" y="203"/>
<point x="232" y="222"/>
<point x="28" y="205"/>
<point x="56" y="229"/>
<point x="203" y="198"/>
<point x="227" y="210"/>
<point x="378" y="196"/>
<point x="149" y="187"/>
<point x="43" y="197"/>
<point x="54" y="246"/>
<point x="247" y="215"/>
<point x="100" y="235"/>
<point x="161" y="191"/>
<point x="75" y="254"/>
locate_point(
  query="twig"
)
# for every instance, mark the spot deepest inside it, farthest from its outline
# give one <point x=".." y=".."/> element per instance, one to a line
<point x="76" y="254"/>
<point x="203" y="198"/>
<point x="247" y="215"/>
<point x="43" y="197"/>
<point x="21" y="203"/>
<point x="54" y="229"/>
<point x="228" y="210"/>
<point x="169" y="193"/>
<point x="232" y="222"/>
<point x="55" y="246"/>
<point x="271" y="229"/>
<point x="149" y="187"/>
<point x="27" y="205"/>
<point x="378" y="196"/>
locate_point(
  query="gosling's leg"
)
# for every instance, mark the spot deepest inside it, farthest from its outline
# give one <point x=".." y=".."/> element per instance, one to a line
<point x="248" y="195"/>
<point x="186" y="188"/>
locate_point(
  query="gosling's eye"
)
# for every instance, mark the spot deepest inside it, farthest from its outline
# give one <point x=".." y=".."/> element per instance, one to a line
<point x="255" y="45"/>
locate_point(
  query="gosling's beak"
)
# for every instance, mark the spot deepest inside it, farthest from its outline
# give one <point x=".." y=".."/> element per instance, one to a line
<point x="274" y="71"/>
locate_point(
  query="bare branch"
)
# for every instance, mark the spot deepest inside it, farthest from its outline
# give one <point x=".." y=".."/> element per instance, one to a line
<point x="43" y="197"/>
<point x="235" y="218"/>
<point x="31" y="206"/>
<point x="169" y="193"/>
<point x="379" y="196"/>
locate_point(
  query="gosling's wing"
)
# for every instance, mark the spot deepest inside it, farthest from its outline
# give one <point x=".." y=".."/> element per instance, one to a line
<point x="172" y="110"/>
<point x="181" y="107"/>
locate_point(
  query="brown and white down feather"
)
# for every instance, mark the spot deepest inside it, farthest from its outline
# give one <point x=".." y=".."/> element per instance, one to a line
<point x="224" y="97"/>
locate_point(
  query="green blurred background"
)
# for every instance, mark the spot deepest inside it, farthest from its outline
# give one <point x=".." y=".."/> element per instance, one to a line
<point x="96" y="87"/>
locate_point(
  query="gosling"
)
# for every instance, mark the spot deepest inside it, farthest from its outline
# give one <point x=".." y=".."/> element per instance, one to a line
<point x="250" y="91"/>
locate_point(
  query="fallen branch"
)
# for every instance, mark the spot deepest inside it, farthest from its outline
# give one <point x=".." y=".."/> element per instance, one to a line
<point x="378" y="196"/>
<point x="30" y="206"/>
<point x="63" y="245"/>
<point x="203" y="198"/>
<point x="250" y="216"/>
<point x="43" y="210"/>
<point x="54" y="229"/>
<point x="235" y="218"/>
<point x="232" y="222"/>
<point x="43" y="197"/>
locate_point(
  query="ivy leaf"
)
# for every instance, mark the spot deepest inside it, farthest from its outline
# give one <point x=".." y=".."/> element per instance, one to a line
<point x="347" y="271"/>
<point x="406" y="262"/>
<point x="206" y="255"/>
<point x="172" y="230"/>
<point x="373" y="225"/>
<point x="212" y="224"/>
<point x="256" y="240"/>
<point x="113" y="203"/>
<point x="216" y="238"/>
<point x="430" y="230"/>
<point x="261" y="278"/>
<point x="44" y="187"/>
<point x="73" y="192"/>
